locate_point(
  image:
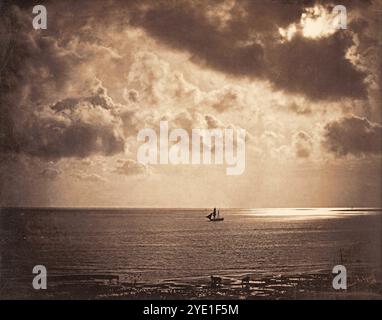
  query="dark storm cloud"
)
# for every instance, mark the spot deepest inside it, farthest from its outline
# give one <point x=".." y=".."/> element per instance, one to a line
<point x="236" y="48"/>
<point x="184" y="25"/>
<point x="317" y="68"/>
<point x="248" y="44"/>
<point x="353" y="135"/>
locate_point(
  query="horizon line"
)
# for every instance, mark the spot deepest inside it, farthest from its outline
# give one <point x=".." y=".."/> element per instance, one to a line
<point x="183" y="208"/>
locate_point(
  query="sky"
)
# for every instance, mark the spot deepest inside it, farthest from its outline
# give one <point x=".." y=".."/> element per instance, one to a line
<point x="74" y="97"/>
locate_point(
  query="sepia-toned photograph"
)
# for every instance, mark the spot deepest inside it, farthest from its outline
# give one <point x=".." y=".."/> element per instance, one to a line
<point x="190" y="150"/>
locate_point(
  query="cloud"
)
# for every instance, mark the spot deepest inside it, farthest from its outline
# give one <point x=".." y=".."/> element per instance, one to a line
<point x="225" y="99"/>
<point x="73" y="128"/>
<point x="268" y="144"/>
<point x="185" y="25"/>
<point x="300" y="109"/>
<point x="50" y="173"/>
<point x="249" y="44"/>
<point x="91" y="177"/>
<point x="303" y="144"/>
<point x="318" y="69"/>
<point x="40" y="69"/>
<point x="352" y="135"/>
<point x="153" y="83"/>
<point x="50" y="109"/>
<point x="35" y="70"/>
<point x="131" y="167"/>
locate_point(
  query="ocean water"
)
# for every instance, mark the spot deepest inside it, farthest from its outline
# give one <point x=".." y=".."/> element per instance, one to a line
<point x="155" y="245"/>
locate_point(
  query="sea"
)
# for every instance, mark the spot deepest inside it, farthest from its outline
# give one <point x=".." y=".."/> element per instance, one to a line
<point x="149" y="245"/>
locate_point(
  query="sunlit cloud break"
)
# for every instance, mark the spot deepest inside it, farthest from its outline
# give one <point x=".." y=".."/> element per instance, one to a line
<point x="316" y="22"/>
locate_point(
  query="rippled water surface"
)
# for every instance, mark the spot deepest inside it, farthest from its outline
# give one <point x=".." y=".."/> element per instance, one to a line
<point x="163" y="244"/>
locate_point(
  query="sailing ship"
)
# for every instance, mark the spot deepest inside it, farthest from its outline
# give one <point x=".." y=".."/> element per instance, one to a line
<point x="214" y="216"/>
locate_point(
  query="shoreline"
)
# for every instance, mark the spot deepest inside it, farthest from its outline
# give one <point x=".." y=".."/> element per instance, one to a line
<point x="279" y="287"/>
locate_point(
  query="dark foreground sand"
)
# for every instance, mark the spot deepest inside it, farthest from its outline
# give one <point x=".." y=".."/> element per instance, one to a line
<point x="306" y="286"/>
